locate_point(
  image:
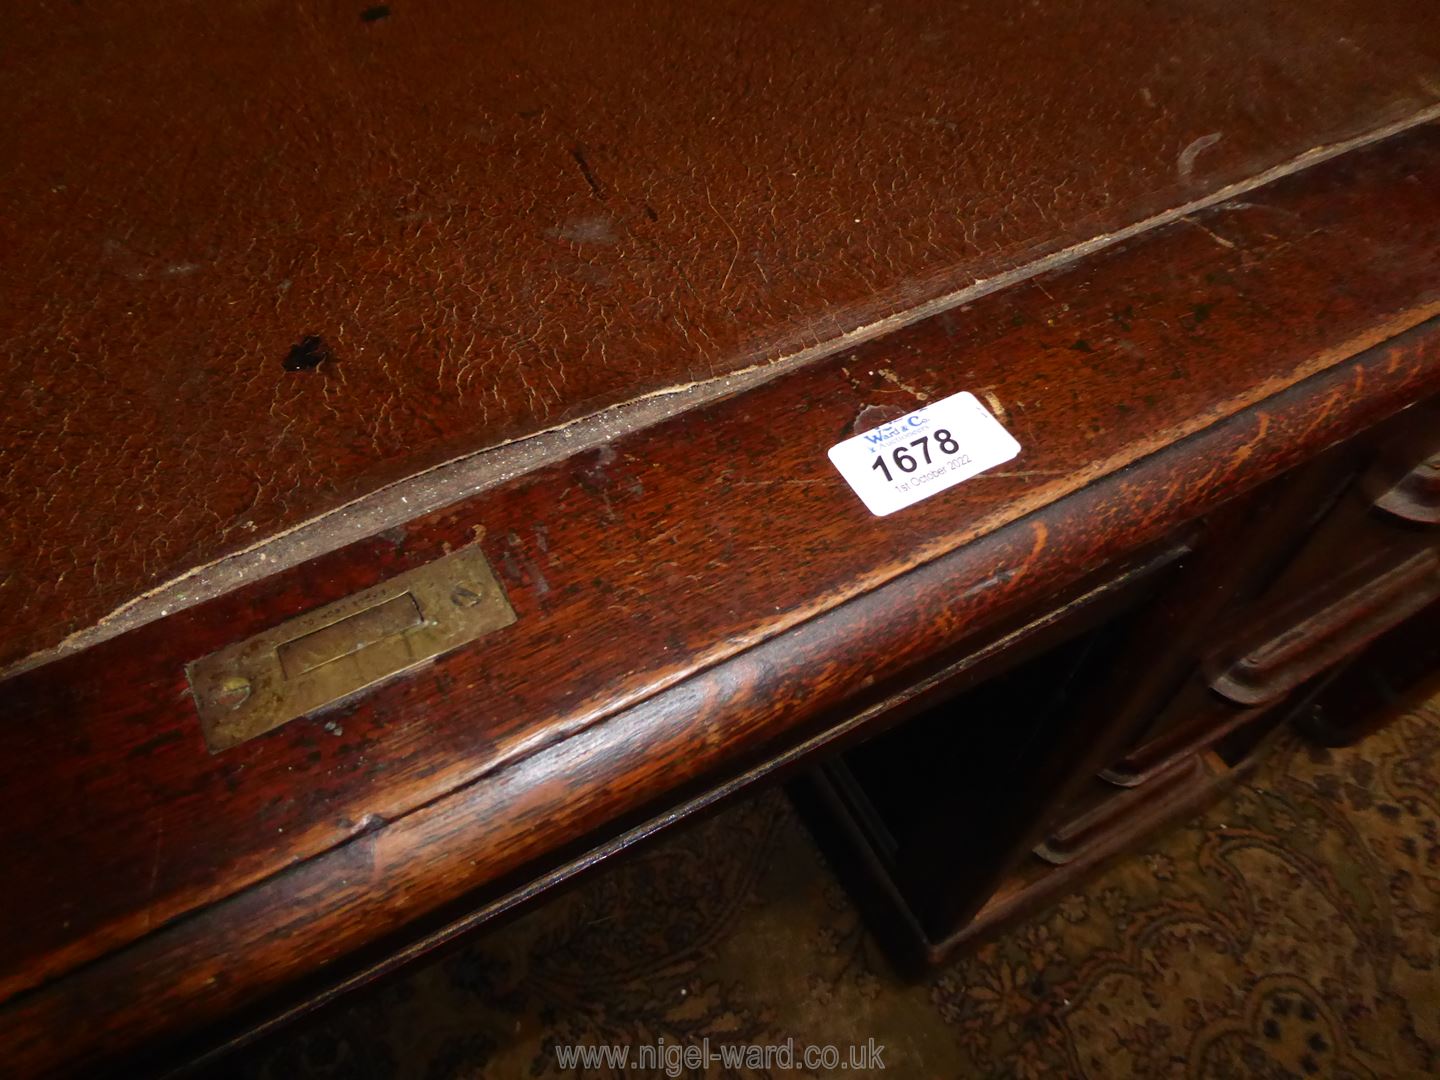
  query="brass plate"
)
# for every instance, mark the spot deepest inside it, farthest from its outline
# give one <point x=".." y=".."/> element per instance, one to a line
<point x="254" y="686"/>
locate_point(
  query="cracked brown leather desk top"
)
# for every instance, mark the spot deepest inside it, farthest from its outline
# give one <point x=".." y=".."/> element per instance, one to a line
<point x="260" y="259"/>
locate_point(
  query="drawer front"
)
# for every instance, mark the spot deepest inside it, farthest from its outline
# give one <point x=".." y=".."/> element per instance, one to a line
<point x="1324" y="625"/>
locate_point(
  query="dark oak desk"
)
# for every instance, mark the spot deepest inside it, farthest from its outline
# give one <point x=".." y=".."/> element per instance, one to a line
<point x="302" y="302"/>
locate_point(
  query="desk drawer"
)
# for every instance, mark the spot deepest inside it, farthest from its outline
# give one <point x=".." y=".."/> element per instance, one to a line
<point x="1322" y="626"/>
<point x="984" y="805"/>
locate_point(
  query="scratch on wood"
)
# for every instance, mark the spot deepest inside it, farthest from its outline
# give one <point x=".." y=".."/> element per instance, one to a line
<point x="894" y="380"/>
<point x="1210" y="233"/>
<point x="1186" y="162"/>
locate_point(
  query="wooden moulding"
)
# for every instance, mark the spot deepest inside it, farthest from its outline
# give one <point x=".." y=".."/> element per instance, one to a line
<point x="692" y="602"/>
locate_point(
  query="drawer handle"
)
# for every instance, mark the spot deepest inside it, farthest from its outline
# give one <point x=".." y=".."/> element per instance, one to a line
<point x="332" y="652"/>
<point x="1415" y="496"/>
<point x="1307" y="636"/>
<point x="1404" y="479"/>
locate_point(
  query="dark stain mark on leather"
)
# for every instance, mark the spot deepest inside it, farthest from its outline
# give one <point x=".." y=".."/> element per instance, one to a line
<point x="578" y="153"/>
<point x="1081" y="345"/>
<point x="650" y="213"/>
<point x="307" y="354"/>
<point x="375" y="13"/>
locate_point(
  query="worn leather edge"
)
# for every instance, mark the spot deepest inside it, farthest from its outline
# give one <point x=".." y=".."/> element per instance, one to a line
<point x="472" y="473"/>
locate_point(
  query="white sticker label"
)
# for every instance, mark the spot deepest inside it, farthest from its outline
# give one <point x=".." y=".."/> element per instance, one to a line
<point x="918" y="455"/>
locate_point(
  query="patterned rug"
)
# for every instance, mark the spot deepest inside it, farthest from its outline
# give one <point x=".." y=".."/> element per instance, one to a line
<point x="1294" y="930"/>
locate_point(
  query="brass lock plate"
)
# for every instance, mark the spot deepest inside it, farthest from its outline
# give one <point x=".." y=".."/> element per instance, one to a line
<point x="328" y="654"/>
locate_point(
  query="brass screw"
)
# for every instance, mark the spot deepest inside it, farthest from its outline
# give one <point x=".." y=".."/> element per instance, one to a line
<point x="466" y="596"/>
<point x="233" y="692"/>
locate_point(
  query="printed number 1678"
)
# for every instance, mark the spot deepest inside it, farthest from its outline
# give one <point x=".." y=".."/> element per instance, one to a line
<point x="907" y="462"/>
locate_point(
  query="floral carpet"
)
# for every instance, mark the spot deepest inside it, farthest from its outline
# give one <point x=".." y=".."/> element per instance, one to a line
<point x="1293" y="930"/>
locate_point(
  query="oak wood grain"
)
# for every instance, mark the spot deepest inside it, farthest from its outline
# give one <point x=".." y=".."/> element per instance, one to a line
<point x="692" y="600"/>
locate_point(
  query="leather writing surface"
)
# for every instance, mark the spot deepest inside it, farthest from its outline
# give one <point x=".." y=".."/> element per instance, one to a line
<point x="496" y="218"/>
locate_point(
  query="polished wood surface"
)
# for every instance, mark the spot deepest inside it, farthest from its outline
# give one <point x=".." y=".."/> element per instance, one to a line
<point x="999" y="799"/>
<point x="698" y="602"/>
